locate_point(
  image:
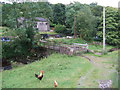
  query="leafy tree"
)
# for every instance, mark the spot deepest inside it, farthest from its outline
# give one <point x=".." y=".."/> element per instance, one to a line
<point x="10" y="12"/>
<point x="71" y="10"/>
<point x="59" y="14"/>
<point x="24" y="40"/>
<point x="85" y="22"/>
<point x="97" y="12"/>
<point x="60" y="29"/>
<point x="85" y="25"/>
<point x="96" y="9"/>
<point x="6" y="15"/>
<point x="112" y="31"/>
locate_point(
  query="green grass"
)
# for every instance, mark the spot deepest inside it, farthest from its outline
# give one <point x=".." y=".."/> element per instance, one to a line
<point x="69" y="41"/>
<point x="66" y="70"/>
<point x="48" y="32"/>
<point x="112" y="63"/>
<point x="5" y="31"/>
<point x="99" y="47"/>
<point x="102" y="70"/>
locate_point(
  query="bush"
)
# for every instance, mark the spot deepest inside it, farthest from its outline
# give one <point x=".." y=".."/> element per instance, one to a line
<point x="20" y="45"/>
<point x="112" y="37"/>
<point x="60" y="28"/>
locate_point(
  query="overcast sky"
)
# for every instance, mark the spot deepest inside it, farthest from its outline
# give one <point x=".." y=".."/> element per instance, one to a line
<point x="113" y="3"/>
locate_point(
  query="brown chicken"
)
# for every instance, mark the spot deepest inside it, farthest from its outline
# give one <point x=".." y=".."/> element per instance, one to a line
<point x="40" y="76"/>
<point x="55" y="84"/>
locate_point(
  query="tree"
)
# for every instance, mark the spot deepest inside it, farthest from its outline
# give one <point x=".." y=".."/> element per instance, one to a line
<point x="96" y="9"/>
<point x="97" y="12"/>
<point x="24" y="41"/>
<point x="60" y="29"/>
<point x="112" y="31"/>
<point x="86" y="23"/>
<point x="10" y="12"/>
<point x="71" y="10"/>
<point x="59" y="14"/>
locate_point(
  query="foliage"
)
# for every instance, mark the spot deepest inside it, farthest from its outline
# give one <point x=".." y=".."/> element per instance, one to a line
<point x="8" y="16"/>
<point x="112" y="31"/>
<point x="59" y="14"/>
<point x="60" y="28"/>
<point x="85" y="25"/>
<point x="85" y="21"/>
<point x="96" y="9"/>
<point x="1" y="15"/>
<point x="5" y="31"/>
<point x="52" y="25"/>
<point x="11" y="12"/>
<point x="20" y="45"/>
<point x="89" y="18"/>
<point x="89" y="22"/>
<point x="97" y="12"/>
<point x="23" y="41"/>
<point x="71" y="11"/>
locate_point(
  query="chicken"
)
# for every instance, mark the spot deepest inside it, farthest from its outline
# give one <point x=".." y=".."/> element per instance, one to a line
<point x="55" y="84"/>
<point x="40" y="76"/>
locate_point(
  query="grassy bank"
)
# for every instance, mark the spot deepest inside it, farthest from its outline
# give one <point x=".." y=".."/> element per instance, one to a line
<point x="66" y="70"/>
<point x="62" y="68"/>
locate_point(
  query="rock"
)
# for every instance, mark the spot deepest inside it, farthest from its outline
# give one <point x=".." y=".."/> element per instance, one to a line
<point x="105" y="83"/>
<point x="113" y="49"/>
<point x="98" y="53"/>
<point x="7" y="67"/>
<point x="90" y="51"/>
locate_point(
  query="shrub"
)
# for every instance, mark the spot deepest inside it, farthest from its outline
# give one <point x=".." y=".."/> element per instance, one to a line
<point x="20" y="45"/>
<point x="60" y="28"/>
<point x="112" y="37"/>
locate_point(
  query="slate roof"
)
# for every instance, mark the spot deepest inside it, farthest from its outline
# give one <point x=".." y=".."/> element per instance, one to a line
<point x="41" y="19"/>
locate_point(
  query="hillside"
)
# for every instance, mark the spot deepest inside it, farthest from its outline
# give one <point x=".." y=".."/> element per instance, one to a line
<point x="66" y="70"/>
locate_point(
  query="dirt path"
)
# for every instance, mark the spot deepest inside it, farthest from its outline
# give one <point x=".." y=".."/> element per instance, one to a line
<point x="82" y="79"/>
<point x="102" y="70"/>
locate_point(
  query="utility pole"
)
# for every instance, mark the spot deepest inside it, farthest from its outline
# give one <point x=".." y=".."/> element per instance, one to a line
<point x="75" y="27"/>
<point x="103" y="28"/>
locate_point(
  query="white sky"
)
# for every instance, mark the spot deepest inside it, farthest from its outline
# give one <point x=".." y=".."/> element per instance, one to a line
<point x="113" y="3"/>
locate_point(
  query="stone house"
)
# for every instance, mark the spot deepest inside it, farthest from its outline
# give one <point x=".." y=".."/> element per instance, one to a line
<point x="40" y="23"/>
